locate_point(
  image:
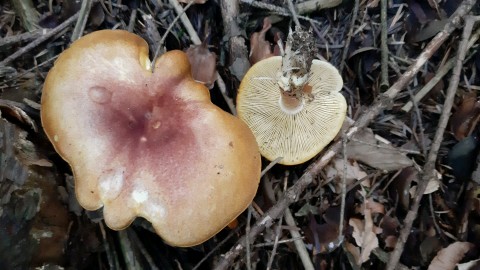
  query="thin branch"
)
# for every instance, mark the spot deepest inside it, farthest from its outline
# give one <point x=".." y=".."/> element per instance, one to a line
<point x="298" y="242"/>
<point x="291" y="7"/>
<point x="276" y="9"/>
<point x="82" y="20"/>
<point x="349" y="35"/>
<point x="164" y="37"/>
<point x="383" y="17"/>
<point x="196" y="40"/>
<point x="382" y="102"/>
<point x="39" y="40"/>
<point x="429" y="168"/>
<point x="441" y="72"/>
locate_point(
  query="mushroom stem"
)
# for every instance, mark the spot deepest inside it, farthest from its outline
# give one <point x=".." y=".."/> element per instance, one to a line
<point x="291" y="103"/>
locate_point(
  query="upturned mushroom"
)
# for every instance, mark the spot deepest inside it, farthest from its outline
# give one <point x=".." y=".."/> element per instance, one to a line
<point x="294" y="123"/>
<point x="147" y="144"/>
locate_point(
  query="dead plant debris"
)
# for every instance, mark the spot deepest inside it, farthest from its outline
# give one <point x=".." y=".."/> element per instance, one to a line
<point x="392" y="151"/>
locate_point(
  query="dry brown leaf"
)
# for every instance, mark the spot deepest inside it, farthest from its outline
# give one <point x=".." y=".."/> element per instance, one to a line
<point x="354" y="250"/>
<point x="364" y="235"/>
<point x="375" y="207"/>
<point x="336" y="169"/>
<point x="365" y="148"/>
<point x="203" y="64"/>
<point x="391" y="241"/>
<point x="465" y="118"/>
<point x="447" y="258"/>
<point x="260" y="48"/>
<point x="432" y="186"/>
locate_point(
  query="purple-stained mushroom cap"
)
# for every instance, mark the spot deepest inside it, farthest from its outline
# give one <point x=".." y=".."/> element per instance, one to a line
<point x="147" y="144"/>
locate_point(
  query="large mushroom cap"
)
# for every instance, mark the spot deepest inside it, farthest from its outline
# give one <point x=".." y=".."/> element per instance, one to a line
<point x="295" y="135"/>
<point x="147" y="144"/>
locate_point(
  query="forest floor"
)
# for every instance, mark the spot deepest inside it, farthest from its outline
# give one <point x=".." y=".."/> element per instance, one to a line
<point x="405" y="164"/>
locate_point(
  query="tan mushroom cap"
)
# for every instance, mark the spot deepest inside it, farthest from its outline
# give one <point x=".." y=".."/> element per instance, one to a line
<point x="296" y="135"/>
<point x="147" y="144"/>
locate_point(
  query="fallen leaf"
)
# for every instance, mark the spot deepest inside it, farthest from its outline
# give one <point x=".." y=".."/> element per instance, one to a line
<point x="391" y="241"/>
<point x="432" y="186"/>
<point x="364" y="235"/>
<point x="260" y="48"/>
<point x="447" y="258"/>
<point x="472" y="265"/>
<point x="375" y="207"/>
<point x="323" y="237"/>
<point x="400" y="187"/>
<point x="466" y="117"/>
<point x="365" y="148"/>
<point x="203" y="64"/>
<point x="354" y="250"/>
<point x="14" y="109"/>
<point x="336" y="169"/>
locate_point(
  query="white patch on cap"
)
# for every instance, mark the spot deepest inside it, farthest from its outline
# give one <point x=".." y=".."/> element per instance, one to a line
<point x="111" y="184"/>
<point x="140" y="196"/>
<point x="155" y="210"/>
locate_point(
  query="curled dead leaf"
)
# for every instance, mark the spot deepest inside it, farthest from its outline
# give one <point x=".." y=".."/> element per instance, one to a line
<point x="364" y="235"/>
<point x="466" y="117"/>
<point x="447" y="258"/>
<point x="260" y="48"/>
<point x="203" y="63"/>
<point x="336" y="169"/>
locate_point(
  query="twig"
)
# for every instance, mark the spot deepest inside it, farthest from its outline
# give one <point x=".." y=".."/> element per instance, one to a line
<point x="383" y="17"/>
<point x="196" y="40"/>
<point x="237" y="48"/>
<point x="315" y="5"/>
<point x="382" y="102"/>
<point x="429" y="168"/>
<point x="133" y="18"/>
<point x="27" y="36"/>
<point x="82" y="20"/>
<point x="186" y="22"/>
<point x="349" y="35"/>
<point x="130" y="260"/>
<point x="344" y="190"/>
<point x="418" y="113"/>
<point x="267" y="244"/>
<point x="298" y="242"/>
<point x="276" y="9"/>
<point x="279" y="227"/>
<point x="291" y="7"/>
<point x="248" y="245"/>
<point x="39" y="40"/>
<point x="172" y="24"/>
<point x="441" y="72"/>
<point x="269" y="166"/>
<point x="141" y="247"/>
<point x="275" y="244"/>
<point x="214" y="250"/>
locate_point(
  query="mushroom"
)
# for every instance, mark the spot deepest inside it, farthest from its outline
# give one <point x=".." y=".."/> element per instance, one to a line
<point x="294" y="126"/>
<point x="148" y="144"/>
